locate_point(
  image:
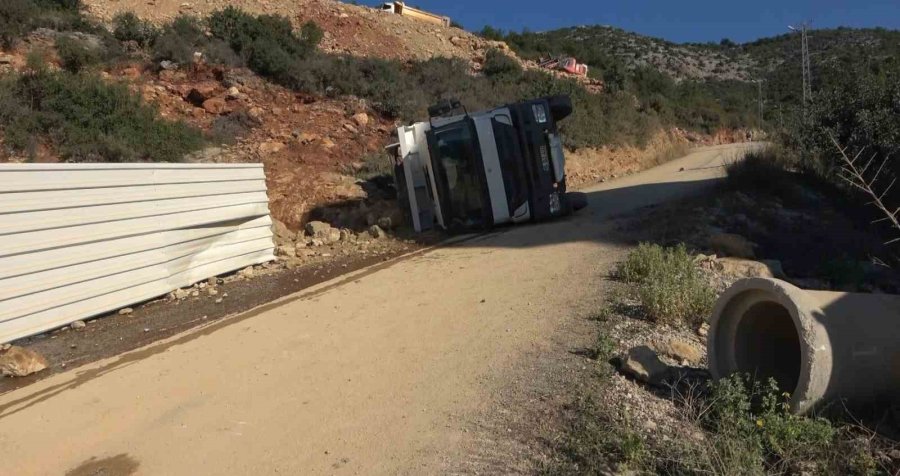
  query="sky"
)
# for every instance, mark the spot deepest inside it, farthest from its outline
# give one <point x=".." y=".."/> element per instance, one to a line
<point x="679" y="21"/>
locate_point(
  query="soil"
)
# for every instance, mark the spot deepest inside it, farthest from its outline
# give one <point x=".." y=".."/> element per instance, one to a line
<point x="114" y="334"/>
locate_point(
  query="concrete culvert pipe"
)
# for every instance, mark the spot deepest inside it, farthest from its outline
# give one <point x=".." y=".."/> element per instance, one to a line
<point x="818" y="345"/>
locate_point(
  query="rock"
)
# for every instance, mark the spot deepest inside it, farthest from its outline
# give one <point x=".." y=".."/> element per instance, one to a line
<point x="122" y="312"/>
<point x="20" y="362"/>
<point x="361" y="119"/>
<point x="215" y="106"/>
<point x="334" y="235"/>
<point x="247" y="272"/>
<point x="681" y="350"/>
<point x="703" y="331"/>
<point x="214" y="281"/>
<point x="286" y="251"/>
<point x="306" y="137"/>
<point x="233" y="93"/>
<point x="167" y="65"/>
<point x="181" y="294"/>
<point x="5" y="347"/>
<point x="350" y="128"/>
<point x="212" y="291"/>
<point x="347" y="236"/>
<point x="319" y="230"/>
<point x="730" y="244"/>
<point x="644" y="365"/>
<point x="282" y="233"/>
<point x="256" y="113"/>
<point x="386" y="223"/>
<point x="80" y="324"/>
<point x="270" y="147"/>
<point x="377" y="232"/>
<point x="201" y="92"/>
<point x="744" y="268"/>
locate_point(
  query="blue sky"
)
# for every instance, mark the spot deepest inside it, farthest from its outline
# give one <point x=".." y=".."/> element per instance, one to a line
<point x="680" y="21"/>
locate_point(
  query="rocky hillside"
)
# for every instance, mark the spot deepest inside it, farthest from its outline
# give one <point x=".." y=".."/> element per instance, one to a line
<point x="348" y="28"/>
<point x="606" y="47"/>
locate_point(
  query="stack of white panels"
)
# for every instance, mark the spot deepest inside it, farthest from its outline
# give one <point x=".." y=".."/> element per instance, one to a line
<point x="77" y="240"/>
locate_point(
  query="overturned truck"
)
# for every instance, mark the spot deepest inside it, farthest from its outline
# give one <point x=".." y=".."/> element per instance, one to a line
<point x="464" y="171"/>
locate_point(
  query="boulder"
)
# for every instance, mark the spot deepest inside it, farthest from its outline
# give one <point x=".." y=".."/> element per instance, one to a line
<point x="247" y="272"/>
<point x="282" y="233"/>
<point x="377" y="232"/>
<point x="361" y="119"/>
<point x="644" y="365"/>
<point x="318" y="229"/>
<point x="20" y="362"/>
<point x="730" y="244"/>
<point x="681" y="350"/>
<point x="286" y="251"/>
<point x="270" y="147"/>
<point x="215" y="106"/>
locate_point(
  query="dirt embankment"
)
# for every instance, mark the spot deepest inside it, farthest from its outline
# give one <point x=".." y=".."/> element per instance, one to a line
<point x="351" y="29"/>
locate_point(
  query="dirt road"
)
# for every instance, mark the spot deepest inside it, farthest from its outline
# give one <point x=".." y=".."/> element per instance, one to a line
<point x="378" y="372"/>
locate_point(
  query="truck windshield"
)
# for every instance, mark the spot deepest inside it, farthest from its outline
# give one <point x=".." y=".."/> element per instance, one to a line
<point x="460" y="174"/>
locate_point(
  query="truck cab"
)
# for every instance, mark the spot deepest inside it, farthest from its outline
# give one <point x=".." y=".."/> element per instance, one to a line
<point x="463" y="172"/>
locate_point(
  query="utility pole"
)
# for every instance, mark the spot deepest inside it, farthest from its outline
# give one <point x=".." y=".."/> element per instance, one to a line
<point x="803" y="28"/>
<point x="759" y="83"/>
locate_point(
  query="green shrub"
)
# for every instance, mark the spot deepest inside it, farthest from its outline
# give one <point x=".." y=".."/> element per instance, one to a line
<point x="88" y="119"/>
<point x="128" y="27"/>
<point x="757" y="413"/>
<point x="496" y="63"/>
<point x="669" y="285"/>
<point x="179" y="40"/>
<point x="75" y="54"/>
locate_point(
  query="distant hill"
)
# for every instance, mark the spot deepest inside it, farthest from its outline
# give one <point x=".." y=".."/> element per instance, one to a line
<point x="606" y="47"/>
<point x="615" y="55"/>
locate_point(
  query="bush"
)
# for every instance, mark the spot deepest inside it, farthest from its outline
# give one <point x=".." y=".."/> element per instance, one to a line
<point x="179" y="40"/>
<point x="128" y="27"/>
<point x="669" y="285"/>
<point x="88" y="119"/>
<point x="75" y="54"/>
<point x="496" y="63"/>
<point x="757" y="414"/>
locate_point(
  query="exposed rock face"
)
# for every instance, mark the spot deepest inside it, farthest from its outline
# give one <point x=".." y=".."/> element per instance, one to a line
<point x="20" y="362"/>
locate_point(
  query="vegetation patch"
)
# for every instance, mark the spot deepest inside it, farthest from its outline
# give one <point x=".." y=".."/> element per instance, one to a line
<point x="668" y="284"/>
<point x="87" y="119"/>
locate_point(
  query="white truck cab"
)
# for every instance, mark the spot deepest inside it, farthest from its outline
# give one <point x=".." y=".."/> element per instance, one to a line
<point x="474" y="171"/>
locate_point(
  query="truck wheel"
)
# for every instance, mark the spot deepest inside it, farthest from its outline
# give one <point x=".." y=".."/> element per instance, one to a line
<point x="577" y="200"/>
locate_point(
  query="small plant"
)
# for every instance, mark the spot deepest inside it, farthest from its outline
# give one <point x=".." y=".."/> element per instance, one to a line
<point x="669" y="285"/>
<point x="76" y="55"/>
<point x="374" y="165"/>
<point x="128" y="27"/>
<point x="497" y="63"/>
<point x="87" y="119"/>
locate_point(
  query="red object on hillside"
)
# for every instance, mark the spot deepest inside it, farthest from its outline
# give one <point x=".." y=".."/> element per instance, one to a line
<point x="565" y="63"/>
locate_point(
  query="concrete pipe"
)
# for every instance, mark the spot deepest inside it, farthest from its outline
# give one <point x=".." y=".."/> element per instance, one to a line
<point x="818" y="345"/>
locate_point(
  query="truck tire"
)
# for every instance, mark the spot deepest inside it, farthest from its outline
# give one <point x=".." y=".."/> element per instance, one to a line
<point x="577" y="200"/>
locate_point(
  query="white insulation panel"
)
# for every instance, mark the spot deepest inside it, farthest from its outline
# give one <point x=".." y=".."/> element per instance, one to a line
<point x="78" y="240"/>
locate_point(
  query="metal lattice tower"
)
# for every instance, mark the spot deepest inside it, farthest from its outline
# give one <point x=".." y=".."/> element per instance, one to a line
<point x="803" y="28"/>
